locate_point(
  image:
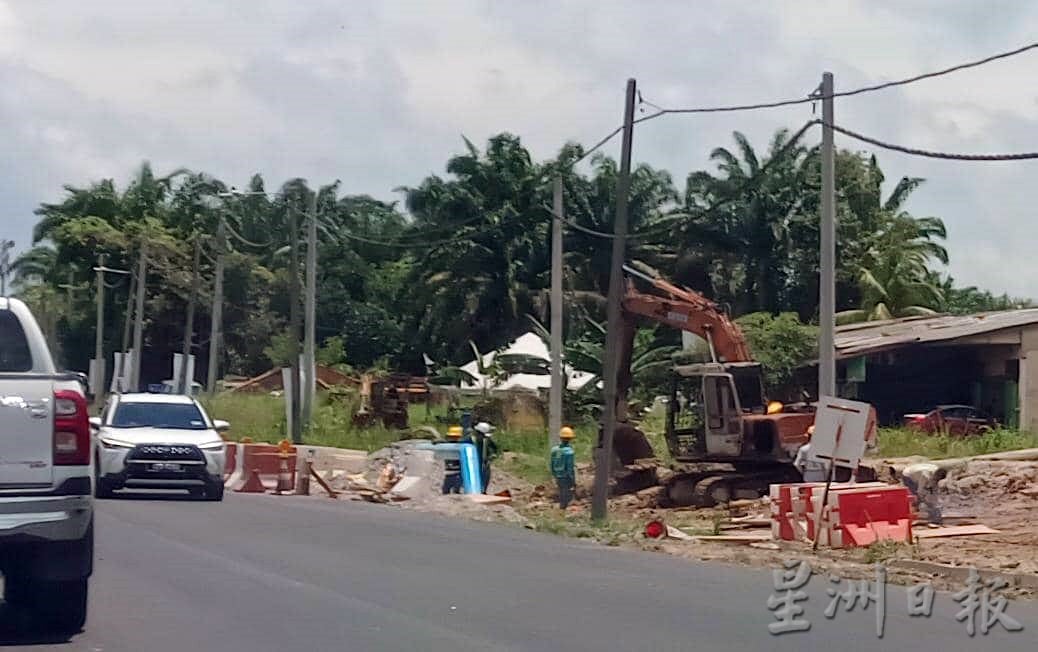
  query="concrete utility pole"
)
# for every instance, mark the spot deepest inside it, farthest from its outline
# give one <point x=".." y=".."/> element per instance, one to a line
<point x="99" y="336"/>
<point x="604" y="453"/>
<point x="558" y="380"/>
<point x="310" y="335"/>
<point x="99" y="339"/>
<point x="189" y="329"/>
<point x="5" y="264"/>
<point x="130" y="298"/>
<point x="138" y="319"/>
<point x="293" y="337"/>
<point x="827" y="274"/>
<point x="216" y="326"/>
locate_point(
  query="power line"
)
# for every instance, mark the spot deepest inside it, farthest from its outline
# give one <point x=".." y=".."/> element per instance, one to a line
<point x="244" y="240"/>
<point x="776" y="156"/>
<point x="939" y="155"/>
<point x="814" y="96"/>
<point x="412" y="245"/>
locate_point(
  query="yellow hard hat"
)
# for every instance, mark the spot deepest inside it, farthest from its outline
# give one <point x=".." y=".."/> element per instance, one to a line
<point x="774" y="407"/>
<point x="566" y="433"/>
<point x="454" y="432"/>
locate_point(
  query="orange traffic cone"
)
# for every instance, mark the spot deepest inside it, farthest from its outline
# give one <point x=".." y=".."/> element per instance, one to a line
<point x="284" y="476"/>
<point x="253" y="485"/>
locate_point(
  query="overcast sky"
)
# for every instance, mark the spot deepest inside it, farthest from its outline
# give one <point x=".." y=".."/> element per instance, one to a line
<point x="378" y="93"/>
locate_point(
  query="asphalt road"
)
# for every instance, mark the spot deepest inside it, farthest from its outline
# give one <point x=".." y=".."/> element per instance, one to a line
<point x="271" y="574"/>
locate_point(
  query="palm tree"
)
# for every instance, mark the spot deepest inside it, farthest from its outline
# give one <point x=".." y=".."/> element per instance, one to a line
<point x="481" y="276"/>
<point x="742" y="217"/>
<point x="897" y="281"/>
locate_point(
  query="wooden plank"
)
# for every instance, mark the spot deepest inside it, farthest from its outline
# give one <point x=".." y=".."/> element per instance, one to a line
<point x="484" y="499"/>
<point x="735" y="538"/>
<point x="955" y="531"/>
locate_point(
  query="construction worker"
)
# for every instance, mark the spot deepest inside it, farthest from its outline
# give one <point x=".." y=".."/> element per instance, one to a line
<point x="562" y="467"/>
<point x="810" y="470"/>
<point x="452" y="465"/>
<point x="922" y="480"/>
<point x="486" y="449"/>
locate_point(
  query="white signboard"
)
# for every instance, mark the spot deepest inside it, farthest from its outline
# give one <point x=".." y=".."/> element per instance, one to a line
<point x="841" y="427"/>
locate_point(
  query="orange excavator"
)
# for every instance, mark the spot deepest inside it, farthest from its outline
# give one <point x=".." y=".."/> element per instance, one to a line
<point x="726" y="439"/>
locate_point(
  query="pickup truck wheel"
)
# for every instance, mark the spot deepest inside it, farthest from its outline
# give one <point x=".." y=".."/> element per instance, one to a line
<point x="102" y="488"/>
<point x="214" y="492"/>
<point x="61" y="605"/>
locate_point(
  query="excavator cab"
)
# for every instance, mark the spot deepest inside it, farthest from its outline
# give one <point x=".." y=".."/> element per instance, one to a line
<point x="704" y="413"/>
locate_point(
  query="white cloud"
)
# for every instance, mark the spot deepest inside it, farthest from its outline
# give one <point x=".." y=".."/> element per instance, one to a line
<point x="378" y="94"/>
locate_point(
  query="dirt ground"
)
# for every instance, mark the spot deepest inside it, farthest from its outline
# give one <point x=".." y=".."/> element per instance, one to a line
<point x="1002" y="495"/>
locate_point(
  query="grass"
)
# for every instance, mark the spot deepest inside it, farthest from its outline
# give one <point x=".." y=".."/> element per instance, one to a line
<point x="262" y="417"/>
<point x="901" y="442"/>
<point x="612" y="532"/>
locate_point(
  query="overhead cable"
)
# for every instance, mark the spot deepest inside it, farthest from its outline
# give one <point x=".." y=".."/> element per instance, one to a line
<point x="815" y="96"/>
<point x="1023" y="156"/>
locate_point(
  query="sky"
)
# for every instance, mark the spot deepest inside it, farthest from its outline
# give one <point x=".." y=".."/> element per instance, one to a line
<point x="379" y="94"/>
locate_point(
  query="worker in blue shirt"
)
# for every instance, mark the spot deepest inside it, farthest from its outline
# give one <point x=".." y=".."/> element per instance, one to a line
<point x="562" y="467"/>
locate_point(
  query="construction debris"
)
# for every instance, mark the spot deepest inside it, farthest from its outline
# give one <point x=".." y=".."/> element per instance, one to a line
<point x="954" y="531"/>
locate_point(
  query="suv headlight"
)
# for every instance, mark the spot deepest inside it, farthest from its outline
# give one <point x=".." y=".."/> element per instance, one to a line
<point x="108" y="442"/>
<point x="213" y="446"/>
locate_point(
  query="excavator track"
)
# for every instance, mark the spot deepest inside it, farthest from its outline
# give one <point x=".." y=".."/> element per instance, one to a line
<point x="709" y="488"/>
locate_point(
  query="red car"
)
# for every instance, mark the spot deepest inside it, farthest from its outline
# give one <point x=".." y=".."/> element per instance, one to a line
<point x="952" y="419"/>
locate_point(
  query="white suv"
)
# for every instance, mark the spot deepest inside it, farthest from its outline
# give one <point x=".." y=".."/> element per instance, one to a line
<point x="158" y="441"/>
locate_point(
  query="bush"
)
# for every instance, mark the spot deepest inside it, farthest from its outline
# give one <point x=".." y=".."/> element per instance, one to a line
<point x="903" y="442"/>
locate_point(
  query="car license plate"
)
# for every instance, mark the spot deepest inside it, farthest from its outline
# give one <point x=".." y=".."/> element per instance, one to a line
<point x="167" y="466"/>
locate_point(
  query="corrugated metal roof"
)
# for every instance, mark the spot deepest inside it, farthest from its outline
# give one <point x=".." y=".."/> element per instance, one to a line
<point x="874" y="336"/>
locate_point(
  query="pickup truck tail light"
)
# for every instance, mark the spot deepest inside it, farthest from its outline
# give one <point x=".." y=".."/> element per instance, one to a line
<point x="71" y="429"/>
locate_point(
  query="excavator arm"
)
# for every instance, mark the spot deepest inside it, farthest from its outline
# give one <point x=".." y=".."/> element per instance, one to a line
<point x="678" y="308"/>
<point x="688" y="310"/>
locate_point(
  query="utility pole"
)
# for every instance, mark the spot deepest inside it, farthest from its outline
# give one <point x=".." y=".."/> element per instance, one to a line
<point x="558" y="380"/>
<point x="185" y="382"/>
<point x="310" y="336"/>
<point x="827" y="258"/>
<point x="216" y="327"/>
<point x="293" y="338"/>
<point x="99" y="336"/>
<point x="126" y="332"/>
<point x="5" y="264"/>
<point x="604" y="452"/>
<point x="101" y="363"/>
<point x="138" y="319"/>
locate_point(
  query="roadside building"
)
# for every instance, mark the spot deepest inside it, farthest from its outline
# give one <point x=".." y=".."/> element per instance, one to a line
<point x="987" y="360"/>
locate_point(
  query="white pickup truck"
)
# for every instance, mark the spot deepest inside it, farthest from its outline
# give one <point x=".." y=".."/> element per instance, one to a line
<point x="46" y="503"/>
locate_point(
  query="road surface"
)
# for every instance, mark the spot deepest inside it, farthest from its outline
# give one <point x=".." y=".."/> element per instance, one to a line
<point x="263" y="573"/>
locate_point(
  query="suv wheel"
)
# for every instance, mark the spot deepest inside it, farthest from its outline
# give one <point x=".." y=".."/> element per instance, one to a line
<point x="214" y="491"/>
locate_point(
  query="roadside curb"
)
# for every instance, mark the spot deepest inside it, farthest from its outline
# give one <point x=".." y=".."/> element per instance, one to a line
<point x="961" y="573"/>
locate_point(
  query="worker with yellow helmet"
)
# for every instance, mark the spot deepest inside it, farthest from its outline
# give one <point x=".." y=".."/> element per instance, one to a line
<point x="562" y="466"/>
<point x="452" y="465"/>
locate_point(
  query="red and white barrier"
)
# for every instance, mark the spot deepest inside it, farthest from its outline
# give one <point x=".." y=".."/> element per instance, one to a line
<point x="264" y="459"/>
<point x="855" y="514"/>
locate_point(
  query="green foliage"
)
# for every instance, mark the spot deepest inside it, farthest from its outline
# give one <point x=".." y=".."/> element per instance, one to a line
<point x="781" y="343"/>
<point x="470" y="255"/>
<point x="332" y="353"/>
<point x="903" y="442"/>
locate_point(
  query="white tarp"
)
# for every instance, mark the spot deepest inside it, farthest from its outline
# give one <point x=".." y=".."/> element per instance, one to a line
<point x="530" y="345"/>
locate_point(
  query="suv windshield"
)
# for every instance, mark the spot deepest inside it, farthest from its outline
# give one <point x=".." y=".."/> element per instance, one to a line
<point x="181" y="416"/>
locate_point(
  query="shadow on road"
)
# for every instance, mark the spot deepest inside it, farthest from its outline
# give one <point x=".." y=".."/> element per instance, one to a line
<point x="172" y="496"/>
<point x="17" y="628"/>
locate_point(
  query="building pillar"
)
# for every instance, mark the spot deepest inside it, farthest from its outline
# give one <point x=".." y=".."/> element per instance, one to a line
<point x="1028" y="382"/>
